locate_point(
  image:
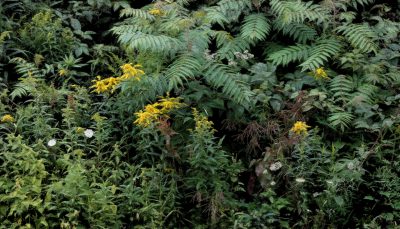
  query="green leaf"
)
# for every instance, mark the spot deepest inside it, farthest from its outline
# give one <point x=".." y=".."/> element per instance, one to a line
<point x="76" y="25"/>
<point x="255" y="27"/>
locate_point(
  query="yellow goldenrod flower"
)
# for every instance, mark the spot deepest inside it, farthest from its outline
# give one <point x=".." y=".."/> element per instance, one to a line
<point x="98" y="118"/>
<point x="62" y="72"/>
<point x="398" y="129"/>
<point x="202" y="122"/>
<point x="144" y="118"/>
<point x="169" y="170"/>
<point x="7" y="118"/>
<point x="105" y="85"/>
<point x="199" y="14"/>
<point x="152" y="108"/>
<point x="169" y="104"/>
<point x="130" y="71"/>
<point x="155" y="12"/>
<point x="111" y="83"/>
<point x="154" y="112"/>
<point x="99" y="85"/>
<point x="300" y="128"/>
<point x="150" y="114"/>
<point x="320" y="73"/>
<point x="80" y="130"/>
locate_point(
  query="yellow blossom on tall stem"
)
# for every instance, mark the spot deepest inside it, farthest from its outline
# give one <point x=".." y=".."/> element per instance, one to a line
<point x="155" y="12"/>
<point x="98" y="118"/>
<point x="105" y="85"/>
<point x="110" y="84"/>
<point x="152" y="108"/>
<point x="320" y="73"/>
<point x="300" y="128"/>
<point x="157" y="111"/>
<point x="150" y="114"/>
<point x="7" y="118"/>
<point x="80" y="130"/>
<point x="130" y="71"/>
<point x="99" y="85"/>
<point x="144" y="118"/>
<point x="62" y="72"/>
<point x="169" y="104"/>
<point x="203" y="125"/>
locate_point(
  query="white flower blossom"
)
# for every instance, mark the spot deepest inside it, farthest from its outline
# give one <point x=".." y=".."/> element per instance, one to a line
<point x="244" y="56"/>
<point x="208" y="55"/>
<point x="237" y="54"/>
<point x="52" y="142"/>
<point x="350" y="165"/>
<point x="88" y="133"/>
<point x="315" y="194"/>
<point x="275" y="166"/>
<point x="329" y="181"/>
<point x="232" y="63"/>
<point x="300" y="180"/>
<point x="272" y="183"/>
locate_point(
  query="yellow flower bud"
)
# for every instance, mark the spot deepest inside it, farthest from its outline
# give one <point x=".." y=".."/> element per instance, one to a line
<point x="7" y="118"/>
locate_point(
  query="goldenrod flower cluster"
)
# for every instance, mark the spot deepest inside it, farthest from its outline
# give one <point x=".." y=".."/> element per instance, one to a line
<point x="398" y="129"/>
<point x="104" y="85"/>
<point x="98" y="118"/>
<point x="300" y="128"/>
<point x="320" y="73"/>
<point x="154" y="112"/>
<point x="7" y="118"/>
<point x="109" y="84"/>
<point x="80" y="130"/>
<point x="202" y="122"/>
<point x="130" y="71"/>
<point x="155" y="12"/>
<point x="63" y="72"/>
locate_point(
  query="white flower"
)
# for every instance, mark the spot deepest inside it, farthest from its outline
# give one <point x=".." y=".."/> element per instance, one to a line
<point x="329" y="181"/>
<point x="300" y="180"/>
<point x="232" y="63"/>
<point x="52" y="142"/>
<point x="315" y="194"/>
<point x="275" y="166"/>
<point x="272" y="183"/>
<point x="350" y="165"/>
<point x="209" y="56"/>
<point x="88" y="133"/>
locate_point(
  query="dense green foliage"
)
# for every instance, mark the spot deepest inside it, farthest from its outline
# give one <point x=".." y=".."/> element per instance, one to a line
<point x="199" y="114"/>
